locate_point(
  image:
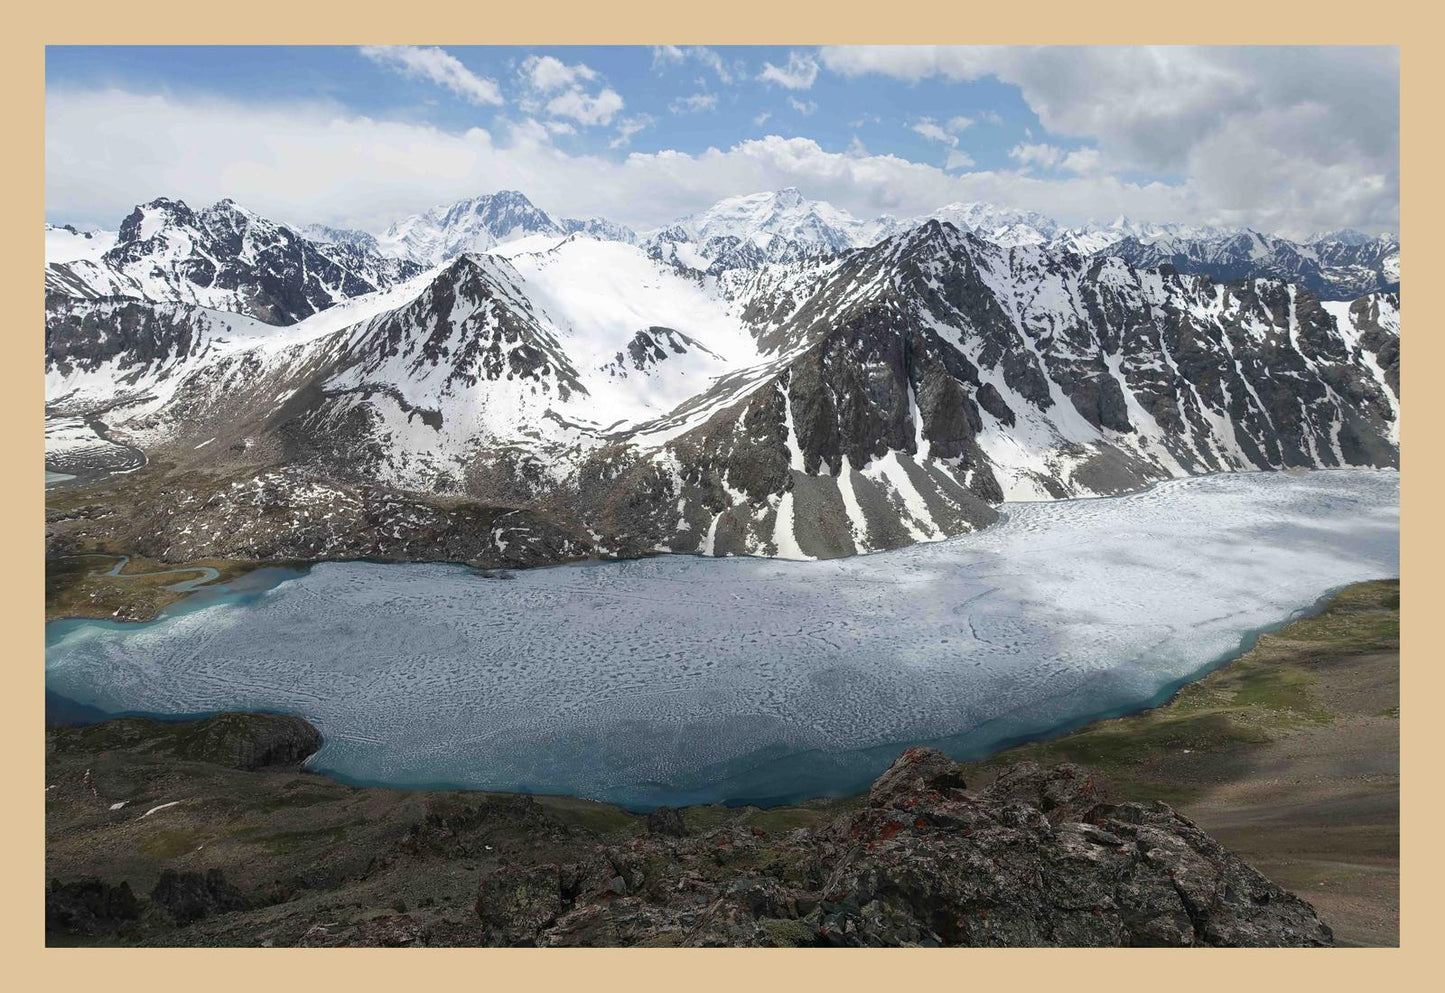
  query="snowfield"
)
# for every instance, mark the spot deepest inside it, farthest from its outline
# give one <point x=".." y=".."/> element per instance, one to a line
<point x="679" y="680"/>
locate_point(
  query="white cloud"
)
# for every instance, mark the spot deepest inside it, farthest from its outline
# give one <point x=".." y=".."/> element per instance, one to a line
<point x="693" y="104"/>
<point x="546" y="73"/>
<point x="799" y="74"/>
<point x="1083" y="160"/>
<point x="560" y="127"/>
<point x="585" y="108"/>
<point x="990" y="116"/>
<point x="804" y="107"/>
<point x="1039" y="154"/>
<point x="762" y="118"/>
<point x="435" y="65"/>
<point x="560" y="90"/>
<point x="108" y="150"/>
<point x="960" y="123"/>
<point x="929" y="128"/>
<point x="675" y="55"/>
<point x="1286" y="139"/>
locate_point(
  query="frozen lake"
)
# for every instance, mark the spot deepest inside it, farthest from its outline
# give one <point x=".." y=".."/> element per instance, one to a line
<point x="679" y="679"/>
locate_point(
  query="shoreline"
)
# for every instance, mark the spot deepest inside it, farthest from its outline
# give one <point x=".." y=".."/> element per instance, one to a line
<point x="1301" y="701"/>
<point x="1164" y="697"/>
<point x="244" y="567"/>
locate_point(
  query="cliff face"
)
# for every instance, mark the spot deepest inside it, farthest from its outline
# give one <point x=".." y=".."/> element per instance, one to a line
<point x="207" y="833"/>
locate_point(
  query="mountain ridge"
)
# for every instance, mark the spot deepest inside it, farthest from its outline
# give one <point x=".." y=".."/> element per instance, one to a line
<point x="831" y="403"/>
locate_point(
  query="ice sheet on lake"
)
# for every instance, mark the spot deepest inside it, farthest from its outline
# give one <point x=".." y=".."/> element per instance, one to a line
<point x="681" y="679"/>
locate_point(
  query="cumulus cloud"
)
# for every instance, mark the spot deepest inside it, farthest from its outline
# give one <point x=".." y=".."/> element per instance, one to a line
<point x="560" y="90"/>
<point x="799" y="74"/>
<point x="1083" y="160"/>
<point x="960" y="123"/>
<point x="107" y="150"/>
<point x="436" y="66"/>
<point x="546" y="73"/>
<point x="804" y="107"/>
<point x="1282" y="138"/>
<point x="1038" y="154"/>
<point x="586" y="108"/>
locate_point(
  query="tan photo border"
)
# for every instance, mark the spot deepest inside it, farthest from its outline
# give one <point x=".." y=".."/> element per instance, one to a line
<point x="31" y="966"/>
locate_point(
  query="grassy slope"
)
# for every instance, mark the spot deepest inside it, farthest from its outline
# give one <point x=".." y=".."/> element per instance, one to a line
<point x="1268" y="693"/>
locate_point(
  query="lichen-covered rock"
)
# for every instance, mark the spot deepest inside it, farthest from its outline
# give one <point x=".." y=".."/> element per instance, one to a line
<point x="666" y="820"/>
<point x="234" y="740"/>
<point x="249" y="741"/>
<point x="88" y="906"/>
<point x="1037" y="858"/>
<point x="515" y="903"/>
<point x="918" y="773"/>
<point x="192" y="896"/>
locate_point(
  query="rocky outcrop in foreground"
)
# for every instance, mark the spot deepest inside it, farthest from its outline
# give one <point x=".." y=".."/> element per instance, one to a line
<point x="1038" y="858"/>
<point x="208" y="832"/>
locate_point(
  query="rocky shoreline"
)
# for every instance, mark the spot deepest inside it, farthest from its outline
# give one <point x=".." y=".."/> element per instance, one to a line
<point x="210" y="833"/>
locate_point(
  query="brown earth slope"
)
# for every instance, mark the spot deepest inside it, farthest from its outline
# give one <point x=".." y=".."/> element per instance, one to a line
<point x="1290" y="756"/>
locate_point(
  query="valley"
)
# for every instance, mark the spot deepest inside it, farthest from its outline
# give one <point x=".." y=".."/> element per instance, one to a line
<point x="680" y="679"/>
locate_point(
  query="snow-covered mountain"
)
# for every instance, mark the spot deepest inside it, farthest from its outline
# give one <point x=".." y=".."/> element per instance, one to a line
<point x="473" y="225"/>
<point x="66" y="243"/>
<point x="560" y="394"/>
<point x="326" y="235"/>
<point x="599" y="228"/>
<point x="225" y="258"/>
<point x="1332" y="268"/>
<point x="784" y="226"/>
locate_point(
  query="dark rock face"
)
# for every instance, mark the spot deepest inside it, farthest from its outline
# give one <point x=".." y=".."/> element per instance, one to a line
<point x="234" y="740"/>
<point x="1374" y="337"/>
<point x="514" y="903"/>
<point x="192" y="896"/>
<point x="141" y="338"/>
<point x="1334" y="270"/>
<point x="666" y="820"/>
<point x="89" y="907"/>
<point x="1039" y="858"/>
<point x="227" y="257"/>
<point x="249" y="741"/>
<point x="494" y="340"/>
<point x="649" y="347"/>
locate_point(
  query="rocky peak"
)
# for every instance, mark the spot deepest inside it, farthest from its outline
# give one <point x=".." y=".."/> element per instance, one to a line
<point x="148" y="219"/>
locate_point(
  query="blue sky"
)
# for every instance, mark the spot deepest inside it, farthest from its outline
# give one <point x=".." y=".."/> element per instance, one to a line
<point x="362" y="135"/>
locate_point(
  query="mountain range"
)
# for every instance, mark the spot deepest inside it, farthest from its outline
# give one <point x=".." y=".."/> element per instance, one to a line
<point x="771" y="376"/>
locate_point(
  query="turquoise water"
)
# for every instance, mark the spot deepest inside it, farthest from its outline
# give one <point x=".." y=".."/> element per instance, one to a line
<point x="680" y="680"/>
